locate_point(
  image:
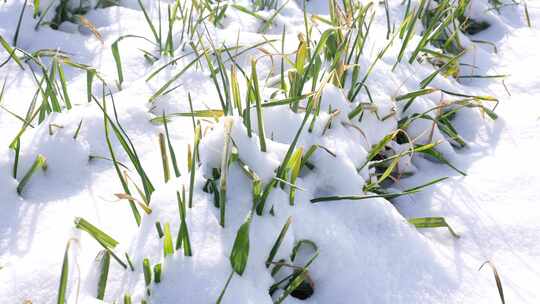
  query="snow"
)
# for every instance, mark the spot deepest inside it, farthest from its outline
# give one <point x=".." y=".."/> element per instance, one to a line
<point x="368" y="253"/>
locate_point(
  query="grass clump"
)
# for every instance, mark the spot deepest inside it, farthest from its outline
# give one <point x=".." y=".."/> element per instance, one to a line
<point x="298" y="283"/>
<point x="182" y="240"/>
<point x="67" y="11"/>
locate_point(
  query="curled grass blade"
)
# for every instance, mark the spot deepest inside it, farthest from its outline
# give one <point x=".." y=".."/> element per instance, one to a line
<point x="39" y="163"/>
<point x="497" y="279"/>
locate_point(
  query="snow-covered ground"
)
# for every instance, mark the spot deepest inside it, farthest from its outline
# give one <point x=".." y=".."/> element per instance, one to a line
<point x="367" y="251"/>
<point x="493" y="206"/>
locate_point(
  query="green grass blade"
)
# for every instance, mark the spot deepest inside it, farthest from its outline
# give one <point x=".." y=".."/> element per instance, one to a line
<point x="129" y="148"/>
<point x="11" y="53"/>
<point x="528" y="18"/>
<point x="246" y="10"/>
<point x="257" y="96"/>
<point x="415" y="94"/>
<point x="150" y="24"/>
<point x="183" y="233"/>
<point x="157" y="273"/>
<point x="36" y="8"/>
<point x="39" y="163"/>
<point x="240" y="251"/>
<point x="104" y="273"/>
<point x="167" y="241"/>
<point x="268" y="23"/>
<point x="386" y="195"/>
<point x="235" y="90"/>
<point x="63" y="82"/>
<point x="147" y="272"/>
<point x="225" y="161"/>
<point x="171" y="149"/>
<point x="118" y="59"/>
<point x="218" y="301"/>
<point x="194" y="165"/>
<point x="90" y="74"/>
<point x="18" y="28"/>
<point x="164" y="158"/>
<point x="210" y="113"/>
<point x="123" y="181"/>
<point x="295" y="166"/>
<point x="96" y="233"/>
<point x="432" y="222"/>
<point x="163" y="88"/>
<point x="62" y="288"/>
<point x="17" y="148"/>
<point x="299" y="276"/>
<point x="440" y="157"/>
<point x="379" y="147"/>
<point x="118" y="62"/>
<point x="278" y="242"/>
